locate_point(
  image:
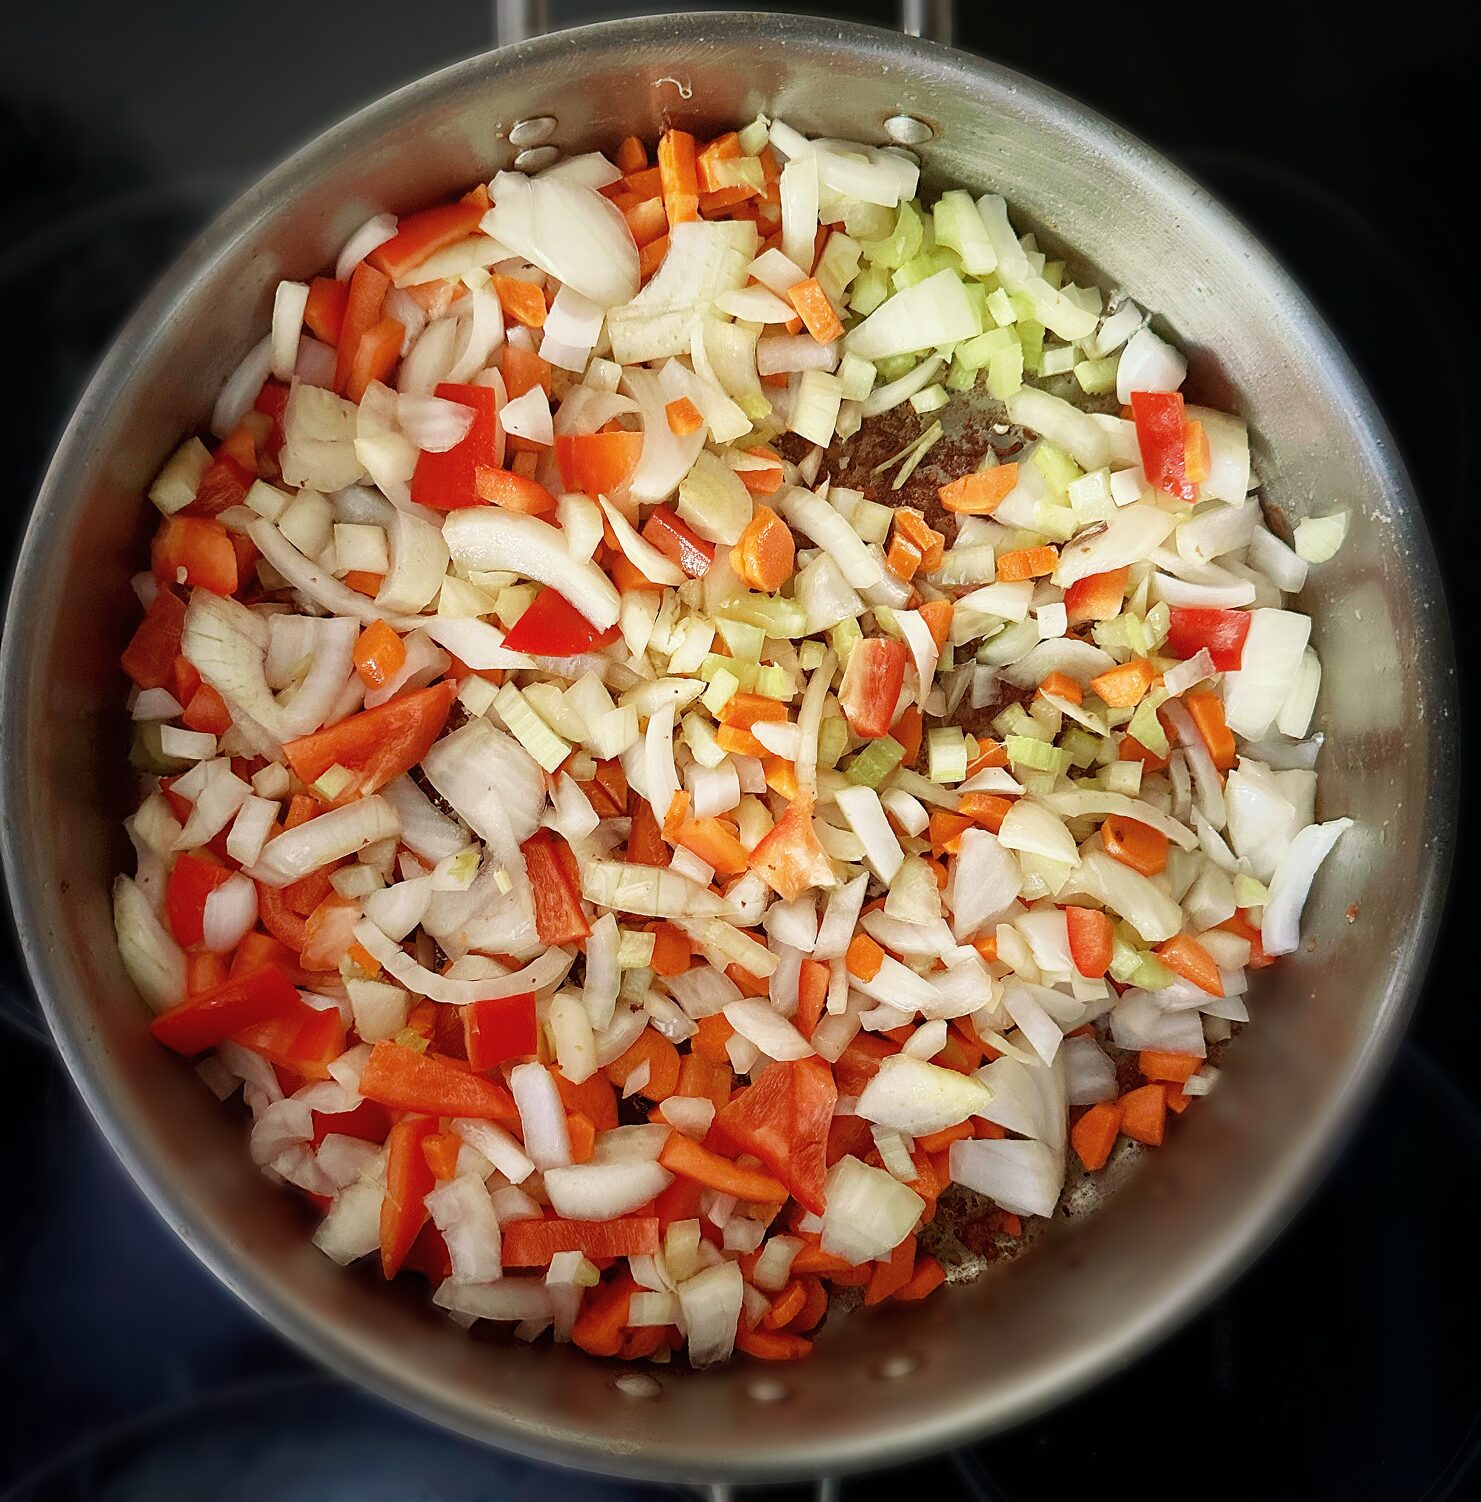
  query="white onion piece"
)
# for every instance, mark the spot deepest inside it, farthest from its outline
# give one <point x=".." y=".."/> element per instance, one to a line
<point x="1063" y="424"/>
<point x="330" y="836"/>
<point x="604" y="1191"/>
<point x="542" y="1116"/>
<point x="1282" y="565"/>
<point x="918" y="1098"/>
<point x="666" y="456"/>
<point x="1255" y="692"/>
<point x="330" y="665"/>
<point x="710" y="1303"/>
<point x="1130" y="536"/>
<point x="506" y="1299"/>
<point x="1031" y="827"/>
<point x="569" y="231"/>
<point x="485" y="333"/>
<point x="1137" y="1022"/>
<point x="289" y="303"/>
<point x="1079" y="803"/>
<point x="933" y="312"/>
<point x="836" y="930"/>
<point x="985" y="879"/>
<point x="755" y="1021"/>
<point x="1148" y="364"/>
<point x="432" y="422"/>
<point x="886" y="398"/>
<point x="1080" y="660"/>
<point x="1228" y="453"/>
<point x="528" y="416"/>
<point x="1129" y="894"/>
<point x="154" y="961"/>
<point x="861" y="807"/>
<point x="230" y="911"/>
<point x="1025" y="1004"/>
<point x="313" y="582"/>
<point x="1024" y="1178"/>
<point x="868" y="1212"/>
<point x="484" y="537"/>
<point x="240" y="388"/>
<point x="499" y="1146"/>
<point x="372" y="234"/>
<point x="1090" y="1074"/>
<point x="462" y="1210"/>
<point x="397" y="909"/>
<point x="425" y="829"/>
<point x="640" y="552"/>
<point x="541" y="974"/>
<point x="691" y="1115"/>
<point x="781" y="354"/>
<point x="1281" y="922"/>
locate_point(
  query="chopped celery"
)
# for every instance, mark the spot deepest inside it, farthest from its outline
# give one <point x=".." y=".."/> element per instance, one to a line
<point x="1147" y="728"/>
<point x="905" y="240"/>
<point x="1056" y="466"/>
<point x="810" y="656"/>
<point x="932" y="399"/>
<point x="1005" y="373"/>
<point x="1250" y="893"/>
<point x="1015" y="720"/>
<point x="919" y="267"/>
<point x="754" y="405"/>
<point x="1025" y="751"/>
<point x="513" y="602"/>
<point x="1037" y="784"/>
<point x="1096" y="377"/>
<point x="547" y="748"/>
<point x="870" y="288"/>
<point x="1126" y="959"/>
<point x="1151" y="974"/>
<point x="1059" y="360"/>
<point x="838" y="265"/>
<point x="892" y="367"/>
<point x="946" y="751"/>
<point x="832" y="740"/>
<point x="769" y="613"/>
<point x="975" y="352"/>
<point x="1057" y="522"/>
<point x="977" y="300"/>
<point x="856" y="376"/>
<point x="1156" y="624"/>
<point x="700" y="738"/>
<point x="959" y="227"/>
<point x="927" y="441"/>
<point x="1123" y="777"/>
<point x="875" y="762"/>
<point x="634" y="948"/>
<point x="1000" y="308"/>
<point x="960" y="377"/>
<point x="843" y="636"/>
<point x="1080" y="746"/>
<point x="754" y="137"/>
<point x="744" y="639"/>
<point x="1090" y="496"/>
<point x="147" y="753"/>
<point x="723" y="686"/>
<point x="333" y="782"/>
<point x="871" y="520"/>
<point x="775" y="682"/>
<point x="1031" y="341"/>
<point x="1053" y="273"/>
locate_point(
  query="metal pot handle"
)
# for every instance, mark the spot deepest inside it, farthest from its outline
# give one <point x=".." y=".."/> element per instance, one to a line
<point x="519" y="20"/>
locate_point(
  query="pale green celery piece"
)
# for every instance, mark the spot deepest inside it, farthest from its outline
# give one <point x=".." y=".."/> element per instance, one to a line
<point x="884" y="618"/>
<point x="1056" y="522"/>
<point x="1058" y="360"/>
<point x="1124" y="777"/>
<point x="1250" y="893"/>
<point x="1039" y="755"/>
<point x="960" y="377"/>
<point x="931" y="399"/>
<point x="871" y="520"/>
<point x="744" y="640"/>
<point x="856" y="376"/>
<point x="1151" y="974"/>
<point x="843" y="636"/>
<point x="754" y="137"/>
<point x="870" y="288"/>
<point x="1046" y="716"/>
<point x="919" y="267"/>
<point x="1031" y="339"/>
<point x="543" y="744"/>
<point x="946" y="751"/>
<point x="1096" y="377"/>
<point x="1014" y="719"/>
<point x="977" y="297"/>
<point x="947" y="660"/>
<point x="906" y="240"/>
<point x="512" y="603"/>
<point x="1090" y="497"/>
<point x="1126" y="958"/>
<point x="1053" y="273"/>
<point x="775" y="682"/>
<point x="333" y="782"/>
<point x="771" y="614"/>
<point x="928" y="440"/>
<point x="1156" y="624"/>
<point x="723" y="686"/>
<point x="1147" y="728"/>
<point x="1056" y="466"/>
<point x="875" y="762"/>
<point x="1038" y="784"/>
<point x="810" y="656"/>
<point x="832" y="740"/>
<point x="1080" y="745"/>
<point x="754" y="405"/>
<point x="1000" y="308"/>
<point x="892" y="367"/>
<point x="978" y="350"/>
<point x="700" y="738"/>
<point x="1005" y="373"/>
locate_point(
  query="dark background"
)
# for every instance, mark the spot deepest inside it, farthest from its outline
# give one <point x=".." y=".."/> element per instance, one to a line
<point x="1345" y="1362"/>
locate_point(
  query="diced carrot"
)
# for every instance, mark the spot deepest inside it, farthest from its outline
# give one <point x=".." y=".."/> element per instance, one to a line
<point x="930" y="542"/>
<point x="603" y="1317"/>
<point x="645" y="182"/>
<point x="1094" y="1134"/>
<point x="594" y="1098"/>
<point x="744" y="709"/>
<point x="583" y="1134"/>
<point x="766" y="552"/>
<point x="1123" y="686"/>
<point x="724" y="148"/>
<point x="363" y="309"/>
<point x="746" y="983"/>
<point x="1196" y="453"/>
<point x="980" y="494"/>
<point x="937" y="615"/>
<point x="772" y="1345"/>
<point x="630" y="156"/>
<point x="441" y="1151"/>
<point x="645" y="845"/>
<point x="937" y="1142"/>
<point x="709" y="1042"/>
<point x="1143" y="1114"/>
<point x="1062" y="686"/>
<point x="1134" y="844"/>
<point x="812" y="994"/>
<point x="781" y="776"/>
<point x="684" y="417"/>
<point x="907" y="733"/>
<point x="379" y="655"/>
<point x="1161" y="1064"/>
<point x="1207" y="712"/>
<point x="1131" y="749"/>
<point x="927" y="1276"/>
<point x="672" y="951"/>
<point x="1178" y="1100"/>
<point x="364" y="583"/>
<point x="816" y="310"/>
<point x="865" y="956"/>
<point x="682" y="1155"/>
<point x="1091" y="940"/>
<point x="903" y="557"/>
<point x="647" y="220"/>
<point x="891" y="1276"/>
<point x="1240" y="924"/>
<point x="662" y="1058"/>
<point x="1185" y="956"/>
<point x="679" y="176"/>
<point x="522" y="301"/>
<point x="987" y="948"/>
<point x="987" y="809"/>
<point x="946" y="830"/>
<point x="523" y="370"/>
<point x="785" y="1307"/>
<point x="738" y="742"/>
<point x="650" y="256"/>
<point x="1026" y="563"/>
<point x="715" y="843"/>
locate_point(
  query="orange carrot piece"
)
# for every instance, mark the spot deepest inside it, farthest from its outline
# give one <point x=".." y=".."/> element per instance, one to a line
<point x="678" y="173"/>
<point x="738" y="742"/>
<point x="1062" y="686"/>
<point x="630" y="156"/>
<point x="1143" y="1114"/>
<point x="812" y="995"/>
<point x="682" y="1155"/>
<point x="744" y="709"/>
<point x="907" y="733"/>
<point x="946" y="830"/>
<point x="987" y="809"/>
<point x="891" y="1276"/>
<point x="816" y="311"/>
<point x="1134" y="844"/>
<point x="932" y="544"/>
<point x="724" y="148"/>
<point x="927" y="1277"/>
<point x="379" y="654"/>
<point x="672" y="951"/>
<point x="709" y="1042"/>
<point x="766" y="552"/>
<point x="684" y="417"/>
<point x="1122" y="687"/>
<point x="1185" y="956"/>
<point x="583" y="1134"/>
<point x="772" y="1345"/>
<point x="937" y="615"/>
<point x="715" y="843"/>
<point x="980" y="494"/>
<point x="1094" y="1134"/>
<point x="1162" y="1064"/>
<point x="650" y="256"/>
<point x="903" y="557"/>
<point x="1207" y="712"/>
<point x="522" y="301"/>
<point x="1026" y="563"/>
<point x="662" y="1058"/>
<point x="938" y="1142"/>
<point x="647" y="220"/>
<point x="785" y="1307"/>
<point x="441" y="1152"/>
<point x="645" y="845"/>
<point x="864" y="958"/>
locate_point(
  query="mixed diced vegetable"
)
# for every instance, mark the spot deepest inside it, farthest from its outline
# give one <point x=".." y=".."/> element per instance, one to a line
<point x="632" y="874"/>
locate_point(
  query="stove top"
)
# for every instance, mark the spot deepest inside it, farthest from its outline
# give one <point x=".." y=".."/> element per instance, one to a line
<point x="1340" y="1365"/>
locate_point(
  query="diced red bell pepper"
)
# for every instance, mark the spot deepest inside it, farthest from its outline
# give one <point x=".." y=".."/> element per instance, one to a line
<point x="367" y="299"/>
<point x="511" y="491"/>
<point x="203" y="1021"/>
<point x="679" y="543"/>
<point x="1162" y="437"/>
<point x="272" y="401"/>
<point x="192" y="879"/>
<point x="597" y="463"/>
<point x="369" y="1121"/>
<point x="149" y="658"/>
<point x="790" y="858"/>
<point x="532" y="1243"/>
<point x="324" y="313"/>
<point x="500" y="1028"/>
<point x="1090" y="939"/>
<point x="553" y="627"/>
<point x="556" y="881"/>
<point x="1223" y="632"/>
<point x="421" y="235"/>
<point x="409" y="1179"/>
<point x="871" y="685"/>
<point x="1096" y="597"/>
<point x="783" y="1120"/>
<point x="306" y="1041"/>
<point x="377" y="745"/>
<point x="197" y="551"/>
<point x="449" y="480"/>
<point x="207" y="711"/>
<point x="406" y="1080"/>
<point x="225" y="483"/>
<point x="860" y="1061"/>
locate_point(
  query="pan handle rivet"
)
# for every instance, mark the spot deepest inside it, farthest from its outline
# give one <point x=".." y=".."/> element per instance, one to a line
<point x="536" y="157"/>
<point x="638" y="1385"/>
<point x="769" y="1390"/>
<point x="535" y="131"/>
<point x="901" y="1364"/>
<point x="908" y="131"/>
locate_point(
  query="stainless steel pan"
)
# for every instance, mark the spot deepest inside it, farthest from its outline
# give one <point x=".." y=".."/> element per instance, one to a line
<point x="1098" y="1287"/>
